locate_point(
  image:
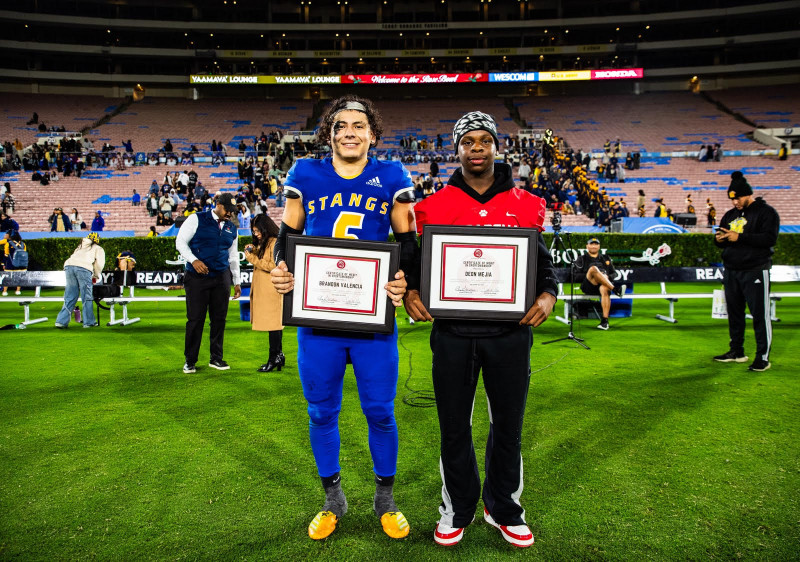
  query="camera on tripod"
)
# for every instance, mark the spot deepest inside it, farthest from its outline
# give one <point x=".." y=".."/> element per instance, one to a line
<point x="555" y="220"/>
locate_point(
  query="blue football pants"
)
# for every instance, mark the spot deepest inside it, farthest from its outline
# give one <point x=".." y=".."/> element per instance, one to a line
<point x="321" y="360"/>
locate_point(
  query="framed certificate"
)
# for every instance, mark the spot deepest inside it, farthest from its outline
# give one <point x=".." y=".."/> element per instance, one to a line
<point x="338" y="283"/>
<point x="478" y="272"/>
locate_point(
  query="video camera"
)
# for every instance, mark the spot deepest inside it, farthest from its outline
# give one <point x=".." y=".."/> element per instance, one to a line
<point x="555" y="220"/>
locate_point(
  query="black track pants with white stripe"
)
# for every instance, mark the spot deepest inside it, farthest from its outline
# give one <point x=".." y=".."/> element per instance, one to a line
<point x="505" y="364"/>
<point x="749" y="287"/>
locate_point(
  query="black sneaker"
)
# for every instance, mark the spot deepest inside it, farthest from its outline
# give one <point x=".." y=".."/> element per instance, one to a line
<point x="219" y="364"/>
<point x="759" y="365"/>
<point x="189" y="368"/>
<point x="619" y="291"/>
<point x="731" y="356"/>
<point x="603" y="325"/>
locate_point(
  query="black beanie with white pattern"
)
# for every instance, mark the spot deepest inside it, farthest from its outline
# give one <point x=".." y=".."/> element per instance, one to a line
<point x="474" y="121"/>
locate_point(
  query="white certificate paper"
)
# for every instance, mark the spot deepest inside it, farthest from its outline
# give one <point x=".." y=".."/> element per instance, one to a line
<point x="484" y="276"/>
<point x="478" y="272"/>
<point x="341" y="284"/>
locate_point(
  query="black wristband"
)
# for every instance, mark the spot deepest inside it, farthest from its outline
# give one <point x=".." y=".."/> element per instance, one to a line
<point x="410" y="258"/>
<point x="279" y="252"/>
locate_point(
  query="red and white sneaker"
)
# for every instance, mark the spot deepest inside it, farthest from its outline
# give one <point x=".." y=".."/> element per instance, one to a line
<point x="518" y="535"/>
<point x="446" y="535"/>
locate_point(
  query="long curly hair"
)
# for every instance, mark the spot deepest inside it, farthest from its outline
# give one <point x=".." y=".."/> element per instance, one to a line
<point x="337" y="105"/>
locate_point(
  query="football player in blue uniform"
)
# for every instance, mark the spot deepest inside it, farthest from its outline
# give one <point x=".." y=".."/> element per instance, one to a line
<point x="350" y="195"/>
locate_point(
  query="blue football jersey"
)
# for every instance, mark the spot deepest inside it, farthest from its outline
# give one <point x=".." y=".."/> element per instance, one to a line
<point x="358" y="207"/>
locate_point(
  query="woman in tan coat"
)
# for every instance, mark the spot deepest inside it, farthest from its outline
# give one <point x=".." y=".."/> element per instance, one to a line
<point x="266" y="305"/>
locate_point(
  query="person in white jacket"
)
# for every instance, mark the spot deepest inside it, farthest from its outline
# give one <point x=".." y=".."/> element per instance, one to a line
<point x="85" y="263"/>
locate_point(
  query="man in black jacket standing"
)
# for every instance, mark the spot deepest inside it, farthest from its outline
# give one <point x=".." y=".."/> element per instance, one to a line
<point x="747" y="234"/>
<point x="482" y="193"/>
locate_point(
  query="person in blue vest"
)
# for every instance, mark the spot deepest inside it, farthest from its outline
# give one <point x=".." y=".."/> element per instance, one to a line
<point x="208" y="241"/>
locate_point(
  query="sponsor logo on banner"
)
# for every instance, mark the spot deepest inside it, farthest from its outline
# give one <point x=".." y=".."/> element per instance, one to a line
<point x="565" y="75"/>
<point x="223" y="79"/>
<point x="336" y="79"/>
<point x="617" y="73"/>
<point x="413" y="78"/>
<point x="513" y="76"/>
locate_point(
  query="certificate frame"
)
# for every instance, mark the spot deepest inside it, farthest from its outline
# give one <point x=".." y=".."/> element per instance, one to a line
<point x="506" y="297"/>
<point x="339" y="283"/>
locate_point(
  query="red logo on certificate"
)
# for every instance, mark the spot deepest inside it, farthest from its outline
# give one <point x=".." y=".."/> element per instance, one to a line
<point x="340" y="264"/>
<point x="478" y="253"/>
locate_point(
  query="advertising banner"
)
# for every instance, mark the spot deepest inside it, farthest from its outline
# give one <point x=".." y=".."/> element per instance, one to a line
<point x="242" y="79"/>
<point x="413" y="78"/>
<point x="617" y="73"/>
<point x="512" y="76"/>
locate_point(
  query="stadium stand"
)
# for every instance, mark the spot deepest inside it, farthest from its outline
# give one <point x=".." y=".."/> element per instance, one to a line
<point x="651" y="122"/>
<point x="426" y="118"/>
<point x="773" y="106"/>
<point x="73" y="112"/>
<point x="648" y="123"/>
<point x="150" y="122"/>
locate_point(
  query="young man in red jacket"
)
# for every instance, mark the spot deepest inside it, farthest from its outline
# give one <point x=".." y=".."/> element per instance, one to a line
<point x="482" y="193"/>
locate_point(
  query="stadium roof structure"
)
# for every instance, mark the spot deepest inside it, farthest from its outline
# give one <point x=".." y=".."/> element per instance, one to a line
<point x="120" y="43"/>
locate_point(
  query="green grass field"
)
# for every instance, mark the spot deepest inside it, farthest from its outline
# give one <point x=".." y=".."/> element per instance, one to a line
<point x="641" y="449"/>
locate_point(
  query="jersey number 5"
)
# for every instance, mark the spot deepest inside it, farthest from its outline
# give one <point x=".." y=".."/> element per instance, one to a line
<point x="345" y="223"/>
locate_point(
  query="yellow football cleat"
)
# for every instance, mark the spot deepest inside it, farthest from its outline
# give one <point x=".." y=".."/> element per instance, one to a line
<point x="322" y="525"/>
<point x="395" y="525"/>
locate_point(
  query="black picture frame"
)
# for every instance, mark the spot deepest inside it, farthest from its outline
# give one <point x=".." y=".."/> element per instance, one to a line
<point x="525" y="243"/>
<point x="299" y="308"/>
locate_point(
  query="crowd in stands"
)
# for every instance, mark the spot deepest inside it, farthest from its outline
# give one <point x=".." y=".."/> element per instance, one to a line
<point x="570" y="180"/>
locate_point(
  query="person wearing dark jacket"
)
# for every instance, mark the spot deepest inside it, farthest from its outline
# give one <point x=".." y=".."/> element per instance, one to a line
<point x="98" y="222"/>
<point x="60" y="222"/>
<point x="595" y="272"/>
<point x="482" y="193"/>
<point x="747" y="235"/>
